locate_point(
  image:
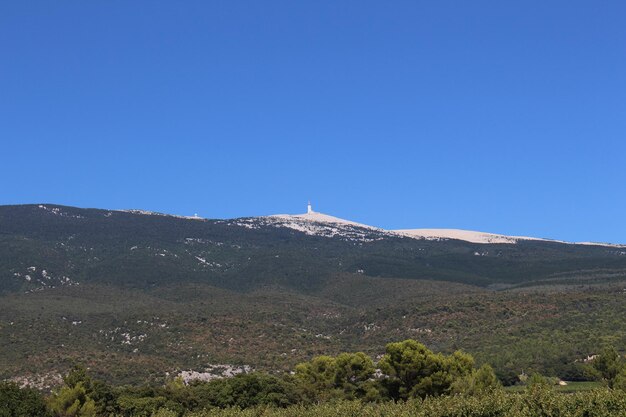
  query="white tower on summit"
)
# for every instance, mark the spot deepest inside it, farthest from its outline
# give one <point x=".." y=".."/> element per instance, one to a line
<point x="309" y="210"/>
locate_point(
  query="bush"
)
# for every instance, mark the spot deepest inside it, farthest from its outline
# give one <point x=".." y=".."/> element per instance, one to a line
<point x="18" y="402"/>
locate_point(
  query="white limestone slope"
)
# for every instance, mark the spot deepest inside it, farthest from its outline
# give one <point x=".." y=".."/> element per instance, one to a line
<point x="486" y="238"/>
<point x="155" y="213"/>
<point x="466" y="235"/>
<point x="316" y="217"/>
<point x="319" y="224"/>
<point x="314" y="223"/>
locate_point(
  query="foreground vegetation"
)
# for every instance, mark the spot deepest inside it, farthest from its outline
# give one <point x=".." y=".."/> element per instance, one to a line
<point x="536" y="402"/>
<point x="533" y="401"/>
<point x="409" y="380"/>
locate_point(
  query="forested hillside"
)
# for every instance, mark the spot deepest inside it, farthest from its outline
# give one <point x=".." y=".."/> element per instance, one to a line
<point x="138" y="295"/>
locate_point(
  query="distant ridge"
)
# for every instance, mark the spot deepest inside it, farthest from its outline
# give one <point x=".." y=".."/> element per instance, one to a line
<point x="295" y="221"/>
<point x="320" y="224"/>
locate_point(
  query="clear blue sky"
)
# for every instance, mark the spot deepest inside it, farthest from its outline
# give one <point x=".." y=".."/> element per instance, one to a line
<point x="498" y="116"/>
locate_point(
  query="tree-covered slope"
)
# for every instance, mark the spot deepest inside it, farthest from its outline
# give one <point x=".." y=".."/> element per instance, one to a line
<point x="134" y="249"/>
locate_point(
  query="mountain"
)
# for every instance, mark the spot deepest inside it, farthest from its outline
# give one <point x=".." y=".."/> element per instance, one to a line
<point x="137" y="294"/>
<point x="141" y="249"/>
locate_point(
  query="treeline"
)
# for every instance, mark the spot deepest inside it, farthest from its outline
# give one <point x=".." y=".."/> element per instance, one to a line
<point x="407" y="373"/>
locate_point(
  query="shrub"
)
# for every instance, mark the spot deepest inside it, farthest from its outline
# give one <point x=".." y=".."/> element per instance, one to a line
<point x="16" y="401"/>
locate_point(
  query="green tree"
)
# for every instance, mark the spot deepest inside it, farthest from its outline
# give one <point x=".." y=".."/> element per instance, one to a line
<point x="415" y="371"/>
<point x="620" y="380"/>
<point x="72" y="401"/>
<point x="479" y="381"/>
<point x="78" y="375"/>
<point x="245" y="390"/>
<point x="102" y="394"/>
<point x="608" y="365"/>
<point x="18" y="402"/>
<point x="354" y="377"/>
<point x="317" y="377"/>
<point x="347" y="376"/>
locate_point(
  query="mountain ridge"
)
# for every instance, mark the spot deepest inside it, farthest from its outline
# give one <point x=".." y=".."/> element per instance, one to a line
<point x="299" y="222"/>
<point x="430" y="233"/>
